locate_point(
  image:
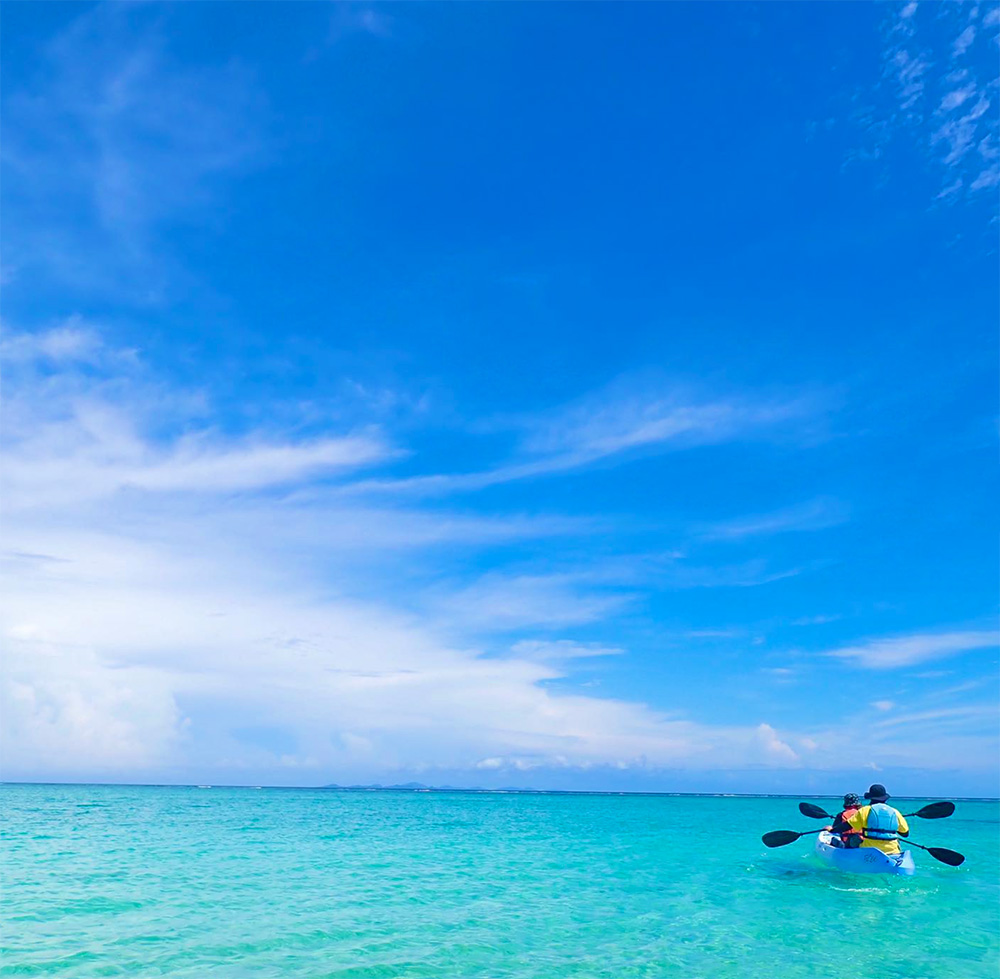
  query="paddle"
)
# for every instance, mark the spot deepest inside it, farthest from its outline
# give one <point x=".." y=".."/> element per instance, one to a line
<point x="936" y="810"/>
<point x="813" y="812"/>
<point x="950" y="857"/>
<point x="782" y="837"/>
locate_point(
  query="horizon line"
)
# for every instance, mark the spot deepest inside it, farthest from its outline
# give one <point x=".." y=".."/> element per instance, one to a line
<point x="418" y="788"/>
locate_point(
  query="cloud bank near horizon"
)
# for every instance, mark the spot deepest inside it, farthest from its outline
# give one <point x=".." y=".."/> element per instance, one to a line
<point x="178" y="605"/>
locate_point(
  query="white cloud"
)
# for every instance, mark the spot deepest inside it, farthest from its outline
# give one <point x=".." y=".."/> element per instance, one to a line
<point x="144" y="659"/>
<point x="989" y="177"/>
<point x="628" y="417"/>
<point x="713" y="633"/>
<point x="959" y="132"/>
<point x="773" y="746"/>
<point x="748" y="574"/>
<point x="888" y="654"/>
<point x="97" y="450"/>
<point x="515" y="601"/>
<point x="883" y="704"/>
<point x="72" y="341"/>
<point x="956" y="97"/>
<point x="943" y="717"/>
<point x="619" y="420"/>
<point x="67" y="710"/>
<point x="815" y="619"/>
<point x="358" y="18"/>
<point x="152" y="612"/>
<point x="160" y="598"/>
<point x="111" y="139"/>
<point x="194" y="465"/>
<point x="555" y="650"/>
<point x="815" y="515"/>
<point x="81" y="420"/>
<point x="937" y="92"/>
<point x="964" y="41"/>
<point x="909" y="71"/>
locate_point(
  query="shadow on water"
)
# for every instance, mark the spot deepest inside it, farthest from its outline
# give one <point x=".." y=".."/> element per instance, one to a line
<point x="783" y="871"/>
<point x="821" y="881"/>
<point x="811" y="872"/>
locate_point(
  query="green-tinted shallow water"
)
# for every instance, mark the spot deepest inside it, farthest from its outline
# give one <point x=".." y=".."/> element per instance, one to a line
<point x="105" y="881"/>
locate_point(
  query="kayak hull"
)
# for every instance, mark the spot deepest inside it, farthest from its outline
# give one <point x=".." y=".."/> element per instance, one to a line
<point x="864" y="860"/>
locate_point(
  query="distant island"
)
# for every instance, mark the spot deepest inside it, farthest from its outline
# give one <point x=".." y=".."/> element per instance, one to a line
<point x="521" y="790"/>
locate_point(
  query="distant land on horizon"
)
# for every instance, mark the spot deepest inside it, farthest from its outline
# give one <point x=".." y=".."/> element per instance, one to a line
<point x="511" y="789"/>
<point x="504" y="790"/>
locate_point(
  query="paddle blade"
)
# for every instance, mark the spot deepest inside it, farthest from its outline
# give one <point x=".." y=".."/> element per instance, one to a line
<point x="949" y="857"/>
<point x="779" y="837"/>
<point x="936" y="810"/>
<point x="813" y="812"/>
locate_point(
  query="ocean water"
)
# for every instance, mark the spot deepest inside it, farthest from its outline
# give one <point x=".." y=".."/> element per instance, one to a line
<point x="244" y="883"/>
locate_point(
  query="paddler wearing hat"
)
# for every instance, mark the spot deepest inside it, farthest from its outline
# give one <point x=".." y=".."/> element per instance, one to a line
<point x="881" y="825"/>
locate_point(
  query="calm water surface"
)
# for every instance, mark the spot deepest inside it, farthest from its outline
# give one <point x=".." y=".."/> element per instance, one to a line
<point x="243" y="883"/>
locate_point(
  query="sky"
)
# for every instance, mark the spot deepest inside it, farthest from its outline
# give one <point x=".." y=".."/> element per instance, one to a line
<point x="571" y="396"/>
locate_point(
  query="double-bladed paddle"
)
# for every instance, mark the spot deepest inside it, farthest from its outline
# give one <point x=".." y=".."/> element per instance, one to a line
<point x="936" y="810"/>
<point x="782" y="837"/>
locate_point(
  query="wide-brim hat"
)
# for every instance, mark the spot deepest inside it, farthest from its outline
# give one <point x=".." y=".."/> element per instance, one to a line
<point x="876" y="792"/>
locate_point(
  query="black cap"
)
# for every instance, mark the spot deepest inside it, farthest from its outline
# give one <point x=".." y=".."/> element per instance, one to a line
<point x="877" y="793"/>
<point x="851" y="799"/>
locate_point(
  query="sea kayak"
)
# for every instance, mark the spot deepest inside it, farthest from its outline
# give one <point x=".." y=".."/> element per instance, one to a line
<point x="865" y="859"/>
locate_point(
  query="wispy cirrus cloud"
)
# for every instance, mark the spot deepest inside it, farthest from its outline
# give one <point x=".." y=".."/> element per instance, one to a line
<point x="112" y="140"/>
<point x="621" y="419"/>
<point x="617" y="424"/>
<point x="943" y="718"/>
<point x="940" y="68"/>
<point x="815" y="515"/>
<point x="79" y="421"/>
<point x="901" y="651"/>
<point x="906" y="65"/>
<point x="70" y="342"/>
<point x="557" y="650"/>
<point x="515" y="601"/>
<point x="358" y="18"/>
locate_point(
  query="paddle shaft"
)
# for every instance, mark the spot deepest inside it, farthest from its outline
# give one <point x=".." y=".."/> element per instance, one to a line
<point x="922" y="813"/>
<point x="813" y="832"/>
<point x="782" y="837"/>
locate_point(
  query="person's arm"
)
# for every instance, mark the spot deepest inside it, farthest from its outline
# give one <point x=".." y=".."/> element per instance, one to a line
<point x="856" y="820"/>
<point x="904" y="826"/>
<point x="840" y="825"/>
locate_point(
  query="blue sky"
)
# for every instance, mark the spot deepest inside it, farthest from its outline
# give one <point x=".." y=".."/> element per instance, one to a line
<point x="572" y="396"/>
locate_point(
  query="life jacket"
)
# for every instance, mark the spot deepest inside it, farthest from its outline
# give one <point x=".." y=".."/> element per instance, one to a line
<point x="844" y="817"/>
<point x="882" y="822"/>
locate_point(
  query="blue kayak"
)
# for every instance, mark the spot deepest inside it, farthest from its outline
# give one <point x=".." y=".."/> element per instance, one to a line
<point x="865" y="859"/>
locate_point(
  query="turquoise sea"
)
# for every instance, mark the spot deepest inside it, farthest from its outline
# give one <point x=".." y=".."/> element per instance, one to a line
<point x="243" y="883"/>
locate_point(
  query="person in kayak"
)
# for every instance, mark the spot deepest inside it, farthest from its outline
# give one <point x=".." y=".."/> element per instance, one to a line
<point x="880" y="824"/>
<point x="843" y="832"/>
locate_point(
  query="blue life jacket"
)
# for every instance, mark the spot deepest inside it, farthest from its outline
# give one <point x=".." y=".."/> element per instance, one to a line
<point x="882" y="822"/>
